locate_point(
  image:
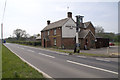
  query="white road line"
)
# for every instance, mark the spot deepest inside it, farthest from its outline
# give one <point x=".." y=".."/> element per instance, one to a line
<point x="82" y="56"/>
<point x="22" y="48"/>
<point x="30" y="50"/>
<point x="46" y="50"/>
<point x="46" y="55"/>
<point x="92" y="67"/>
<point x="102" y="59"/>
<point x="44" y="74"/>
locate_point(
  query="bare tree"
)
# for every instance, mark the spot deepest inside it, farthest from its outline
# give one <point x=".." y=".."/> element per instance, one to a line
<point x="99" y="29"/>
<point x="19" y="33"/>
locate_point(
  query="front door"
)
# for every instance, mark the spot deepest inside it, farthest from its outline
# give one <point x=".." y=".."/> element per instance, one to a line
<point x="44" y="43"/>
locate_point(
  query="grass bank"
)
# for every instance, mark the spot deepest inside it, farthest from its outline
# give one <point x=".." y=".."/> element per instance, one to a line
<point x="14" y="67"/>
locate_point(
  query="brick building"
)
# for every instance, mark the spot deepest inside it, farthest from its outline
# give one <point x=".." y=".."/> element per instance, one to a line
<point x="62" y="33"/>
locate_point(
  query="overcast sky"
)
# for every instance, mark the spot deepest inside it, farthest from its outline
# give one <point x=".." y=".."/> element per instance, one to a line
<point x="31" y="15"/>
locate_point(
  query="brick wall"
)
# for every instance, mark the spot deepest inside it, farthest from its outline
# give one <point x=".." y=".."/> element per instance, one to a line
<point x="68" y="43"/>
<point x="51" y="37"/>
<point x="91" y="28"/>
<point x="91" y="41"/>
<point x="42" y="41"/>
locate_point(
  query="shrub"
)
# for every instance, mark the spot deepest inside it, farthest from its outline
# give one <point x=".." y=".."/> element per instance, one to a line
<point x="33" y="43"/>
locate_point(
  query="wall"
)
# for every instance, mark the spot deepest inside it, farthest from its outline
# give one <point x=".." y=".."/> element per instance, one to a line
<point x="91" y="27"/>
<point x="50" y="41"/>
<point x="68" y="43"/>
<point x="102" y="42"/>
<point x="91" y="41"/>
<point x="66" y="31"/>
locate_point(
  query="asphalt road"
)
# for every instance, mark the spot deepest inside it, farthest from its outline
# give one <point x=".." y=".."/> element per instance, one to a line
<point x="61" y="65"/>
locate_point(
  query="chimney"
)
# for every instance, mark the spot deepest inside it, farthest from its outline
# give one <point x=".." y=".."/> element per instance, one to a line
<point x="48" y="22"/>
<point x="69" y="14"/>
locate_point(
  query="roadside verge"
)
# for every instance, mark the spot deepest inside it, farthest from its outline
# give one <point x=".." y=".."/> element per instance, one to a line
<point x="13" y="67"/>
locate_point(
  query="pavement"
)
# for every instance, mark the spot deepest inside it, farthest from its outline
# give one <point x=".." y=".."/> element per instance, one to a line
<point x="61" y="65"/>
<point x="104" y="50"/>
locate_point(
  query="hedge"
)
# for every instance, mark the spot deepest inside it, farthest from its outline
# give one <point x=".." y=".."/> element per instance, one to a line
<point x="33" y="43"/>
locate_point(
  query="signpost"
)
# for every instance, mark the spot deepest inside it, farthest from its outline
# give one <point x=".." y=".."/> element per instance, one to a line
<point x="79" y="22"/>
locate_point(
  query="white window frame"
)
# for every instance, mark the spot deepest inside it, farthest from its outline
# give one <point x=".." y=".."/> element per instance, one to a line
<point x="55" y="41"/>
<point x="48" y="32"/>
<point x="54" y="31"/>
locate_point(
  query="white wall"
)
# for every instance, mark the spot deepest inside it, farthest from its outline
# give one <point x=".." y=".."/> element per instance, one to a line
<point x="66" y="31"/>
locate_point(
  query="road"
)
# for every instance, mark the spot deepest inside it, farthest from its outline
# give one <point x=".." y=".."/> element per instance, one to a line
<point x="61" y="65"/>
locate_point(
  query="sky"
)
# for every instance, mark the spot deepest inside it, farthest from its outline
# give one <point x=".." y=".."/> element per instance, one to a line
<point x="32" y="15"/>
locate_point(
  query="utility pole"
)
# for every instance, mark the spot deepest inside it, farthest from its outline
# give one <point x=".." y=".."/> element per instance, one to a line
<point x="1" y="32"/>
<point x="79" y="22"/>
<point x="2" y="22"/>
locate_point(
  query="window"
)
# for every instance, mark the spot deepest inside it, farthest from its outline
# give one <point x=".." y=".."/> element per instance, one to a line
<point x="48" y="32"/>
<point x="54" y="31"/>
<point x="55" y="42"/>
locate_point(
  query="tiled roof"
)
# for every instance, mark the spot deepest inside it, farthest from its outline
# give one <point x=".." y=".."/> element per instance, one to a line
<point x="39" y="37"/>
<point x="86" y="24"/>
<point x="56" y="24"/>
<point x="83" y="33"/>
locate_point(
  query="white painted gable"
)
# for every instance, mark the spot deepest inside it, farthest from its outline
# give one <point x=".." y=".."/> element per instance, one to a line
<point x="68" y="29"/>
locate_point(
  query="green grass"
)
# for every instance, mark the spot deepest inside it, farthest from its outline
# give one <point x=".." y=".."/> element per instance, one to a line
<point x="94" y="55"/>
<point x="117" y="43"/>
<point x="83" y="54"/>
<point x="14" y="67"/>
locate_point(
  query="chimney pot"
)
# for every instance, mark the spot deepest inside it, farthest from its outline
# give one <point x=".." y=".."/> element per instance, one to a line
<point x="69" y="14"/>
<point x="48" y="22"/>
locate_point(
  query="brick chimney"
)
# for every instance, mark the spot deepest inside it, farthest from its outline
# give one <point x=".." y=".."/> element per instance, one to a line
<point x="48" y="22"/>
<point x="69" y="14"/>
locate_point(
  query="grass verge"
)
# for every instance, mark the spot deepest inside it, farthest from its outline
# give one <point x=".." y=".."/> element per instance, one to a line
<point x="14" y="67"/>
<point x="84" y="54"/>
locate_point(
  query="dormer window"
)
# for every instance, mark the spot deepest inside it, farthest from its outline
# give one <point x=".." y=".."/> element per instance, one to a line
<point x="54" y="41"/>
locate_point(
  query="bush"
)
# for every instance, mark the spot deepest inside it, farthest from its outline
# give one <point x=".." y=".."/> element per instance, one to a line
<point x="33" y="43"/>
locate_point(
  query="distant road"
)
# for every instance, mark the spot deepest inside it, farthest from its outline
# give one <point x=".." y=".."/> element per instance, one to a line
<point x="61" y="65"/>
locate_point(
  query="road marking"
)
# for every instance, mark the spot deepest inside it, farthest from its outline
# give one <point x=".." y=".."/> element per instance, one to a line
<point x="30" y="50"/>
<point x="44" y="74"/>
<point x="92" y="67"/>
<point x="46" y="55"/>
<point x="22" y="48"/>
<point x="82" y="56"/>
<point x="102" y="59"/>
<point x="46" y="50"/>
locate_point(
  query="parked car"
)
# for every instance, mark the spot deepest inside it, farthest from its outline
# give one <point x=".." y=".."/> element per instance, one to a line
<point x="111" y="44"/>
